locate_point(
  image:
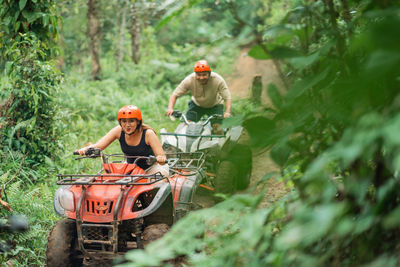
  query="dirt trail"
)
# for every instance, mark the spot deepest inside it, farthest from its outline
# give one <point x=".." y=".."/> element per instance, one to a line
<point x="246" y="68"/>
<point x="240" y="86"/>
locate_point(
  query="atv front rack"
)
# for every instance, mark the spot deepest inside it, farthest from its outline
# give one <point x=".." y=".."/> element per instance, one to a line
<point x="101" y="179"/>
<point x="211" y="136"/>
<point x="185" y="163"/>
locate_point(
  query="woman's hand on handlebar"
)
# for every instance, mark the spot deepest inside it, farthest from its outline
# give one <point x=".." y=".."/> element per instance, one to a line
<point x="83" y="150"/>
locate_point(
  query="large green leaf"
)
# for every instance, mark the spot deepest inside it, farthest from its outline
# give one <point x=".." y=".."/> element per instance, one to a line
<point x="306" y="83"/>
<point x="22" y="4"/>
<point x="302" y="62"/>
<point x="277" y="31"/>
<point x="282" y="52"/>
<point x="275" y="96"/>
<point x="233" y="121"/>
<point x="280" y="154"/>
<point x="260" y="129"/>
<point x="258" y="52"/>
<point x="174" y="9"/>
<point x="277" y="52"/>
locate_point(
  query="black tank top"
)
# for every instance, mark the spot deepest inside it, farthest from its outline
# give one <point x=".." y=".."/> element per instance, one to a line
<point x="142" y="149"/>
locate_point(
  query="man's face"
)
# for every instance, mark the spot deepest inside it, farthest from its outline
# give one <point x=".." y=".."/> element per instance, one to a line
<point x="202" y="77"/>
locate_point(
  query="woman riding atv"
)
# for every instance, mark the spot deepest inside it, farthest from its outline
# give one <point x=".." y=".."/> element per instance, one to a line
<point x="136" y="139"/>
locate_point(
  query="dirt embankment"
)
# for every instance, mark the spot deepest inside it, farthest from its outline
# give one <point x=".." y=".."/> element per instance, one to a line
<point x="240" y="83"/>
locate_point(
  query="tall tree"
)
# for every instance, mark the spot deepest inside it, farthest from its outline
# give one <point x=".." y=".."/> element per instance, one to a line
<point x="120" y="51"/>
<point x="135" y="30"/>
<point x="94" y="33"/>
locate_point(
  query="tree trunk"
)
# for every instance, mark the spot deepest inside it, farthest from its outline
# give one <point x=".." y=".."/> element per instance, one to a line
<point x="135" y="33"/>
<point x="346" y="11"/>
<point x="94" y="36"/>
<point x="333" y="17"/>
<point x="121" y="37"/>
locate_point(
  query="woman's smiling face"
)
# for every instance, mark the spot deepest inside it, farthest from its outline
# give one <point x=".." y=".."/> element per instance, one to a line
<point x="129" y="125"/>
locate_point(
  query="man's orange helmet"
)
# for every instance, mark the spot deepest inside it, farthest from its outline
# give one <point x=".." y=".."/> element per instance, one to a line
<point x="128" y="112"/>
<point x="201" y="66"/>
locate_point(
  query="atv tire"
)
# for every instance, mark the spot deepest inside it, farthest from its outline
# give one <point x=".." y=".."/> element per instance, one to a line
<point x="154" y="232"/>
<point x="226" y="178"/>
<point x="244" y="163"/>
<point x="61" y="248"/>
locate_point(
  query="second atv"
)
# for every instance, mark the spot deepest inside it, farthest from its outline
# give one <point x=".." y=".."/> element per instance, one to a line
<point x="228" y="160"/>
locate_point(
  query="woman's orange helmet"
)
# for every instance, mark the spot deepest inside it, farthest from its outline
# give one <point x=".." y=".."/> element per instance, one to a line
<point x="201" y="66"/>
<point x="128" y="112"/>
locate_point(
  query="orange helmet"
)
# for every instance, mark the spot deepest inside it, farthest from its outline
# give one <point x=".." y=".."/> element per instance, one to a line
<point x="129" y="111"/>
<point x="201" y="66"/>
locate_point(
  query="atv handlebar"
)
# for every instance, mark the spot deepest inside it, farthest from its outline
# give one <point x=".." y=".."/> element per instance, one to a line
<point x="214" y="116"/>
<point x="93" y="152"/>
<point x="178" y="114"/>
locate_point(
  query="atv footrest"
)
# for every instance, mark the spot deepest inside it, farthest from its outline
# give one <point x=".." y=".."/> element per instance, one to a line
<point x="102" y="242"/>
<point x="97" y="225"/>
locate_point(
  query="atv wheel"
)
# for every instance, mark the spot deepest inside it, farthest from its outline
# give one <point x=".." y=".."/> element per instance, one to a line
<point x="244" y="163"/>
<point x="154" y="232"/>
<point x="62" y="245"/>
<point x="225" y="180"/>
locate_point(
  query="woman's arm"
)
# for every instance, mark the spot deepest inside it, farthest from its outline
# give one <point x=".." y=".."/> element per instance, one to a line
<point x="154" y="143"/>
<point x="105" y="141"/>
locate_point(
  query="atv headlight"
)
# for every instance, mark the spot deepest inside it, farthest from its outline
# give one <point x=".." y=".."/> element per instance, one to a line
<point x="66" y="199"/>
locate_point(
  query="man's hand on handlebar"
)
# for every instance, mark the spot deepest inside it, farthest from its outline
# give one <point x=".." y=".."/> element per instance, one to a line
<point x="173" y="113"/>
<point x="169" y="112"/>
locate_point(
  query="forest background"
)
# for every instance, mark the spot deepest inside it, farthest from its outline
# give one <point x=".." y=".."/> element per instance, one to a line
<point x="67" y="67"/>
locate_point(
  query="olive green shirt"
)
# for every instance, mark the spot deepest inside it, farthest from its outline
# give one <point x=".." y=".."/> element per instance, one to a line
<point x="214" y="92"/>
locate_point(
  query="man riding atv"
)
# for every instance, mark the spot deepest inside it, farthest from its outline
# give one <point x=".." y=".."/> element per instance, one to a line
<point x="209" y="90"/>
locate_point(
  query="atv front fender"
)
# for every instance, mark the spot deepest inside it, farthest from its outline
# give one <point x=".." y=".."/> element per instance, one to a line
<point x="158" y="200"/>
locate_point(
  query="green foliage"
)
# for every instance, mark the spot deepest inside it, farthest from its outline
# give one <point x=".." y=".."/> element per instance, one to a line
<point x="30" y="121"/>
<point x="337" y="124"/>
<point x="334" y="133"/>
<point x="35" y="202"/>
<point x="38" y="18"/>
<point x="233" y="233"/>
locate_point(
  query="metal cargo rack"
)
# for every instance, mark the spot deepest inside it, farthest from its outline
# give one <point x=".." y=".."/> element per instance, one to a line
<point x="101" y="179"/>
<point x="185" y="163"/>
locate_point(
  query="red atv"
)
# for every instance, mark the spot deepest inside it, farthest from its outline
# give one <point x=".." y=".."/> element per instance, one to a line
<point x="119" y="208"/>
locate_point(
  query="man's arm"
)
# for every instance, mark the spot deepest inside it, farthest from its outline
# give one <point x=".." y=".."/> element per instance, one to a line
<point x="171" y="105"/>
<point x="228" y="104"/>
<point x="226" y="95"/>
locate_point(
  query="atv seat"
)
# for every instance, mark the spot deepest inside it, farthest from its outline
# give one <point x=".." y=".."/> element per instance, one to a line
<point x="122" y="168"/>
